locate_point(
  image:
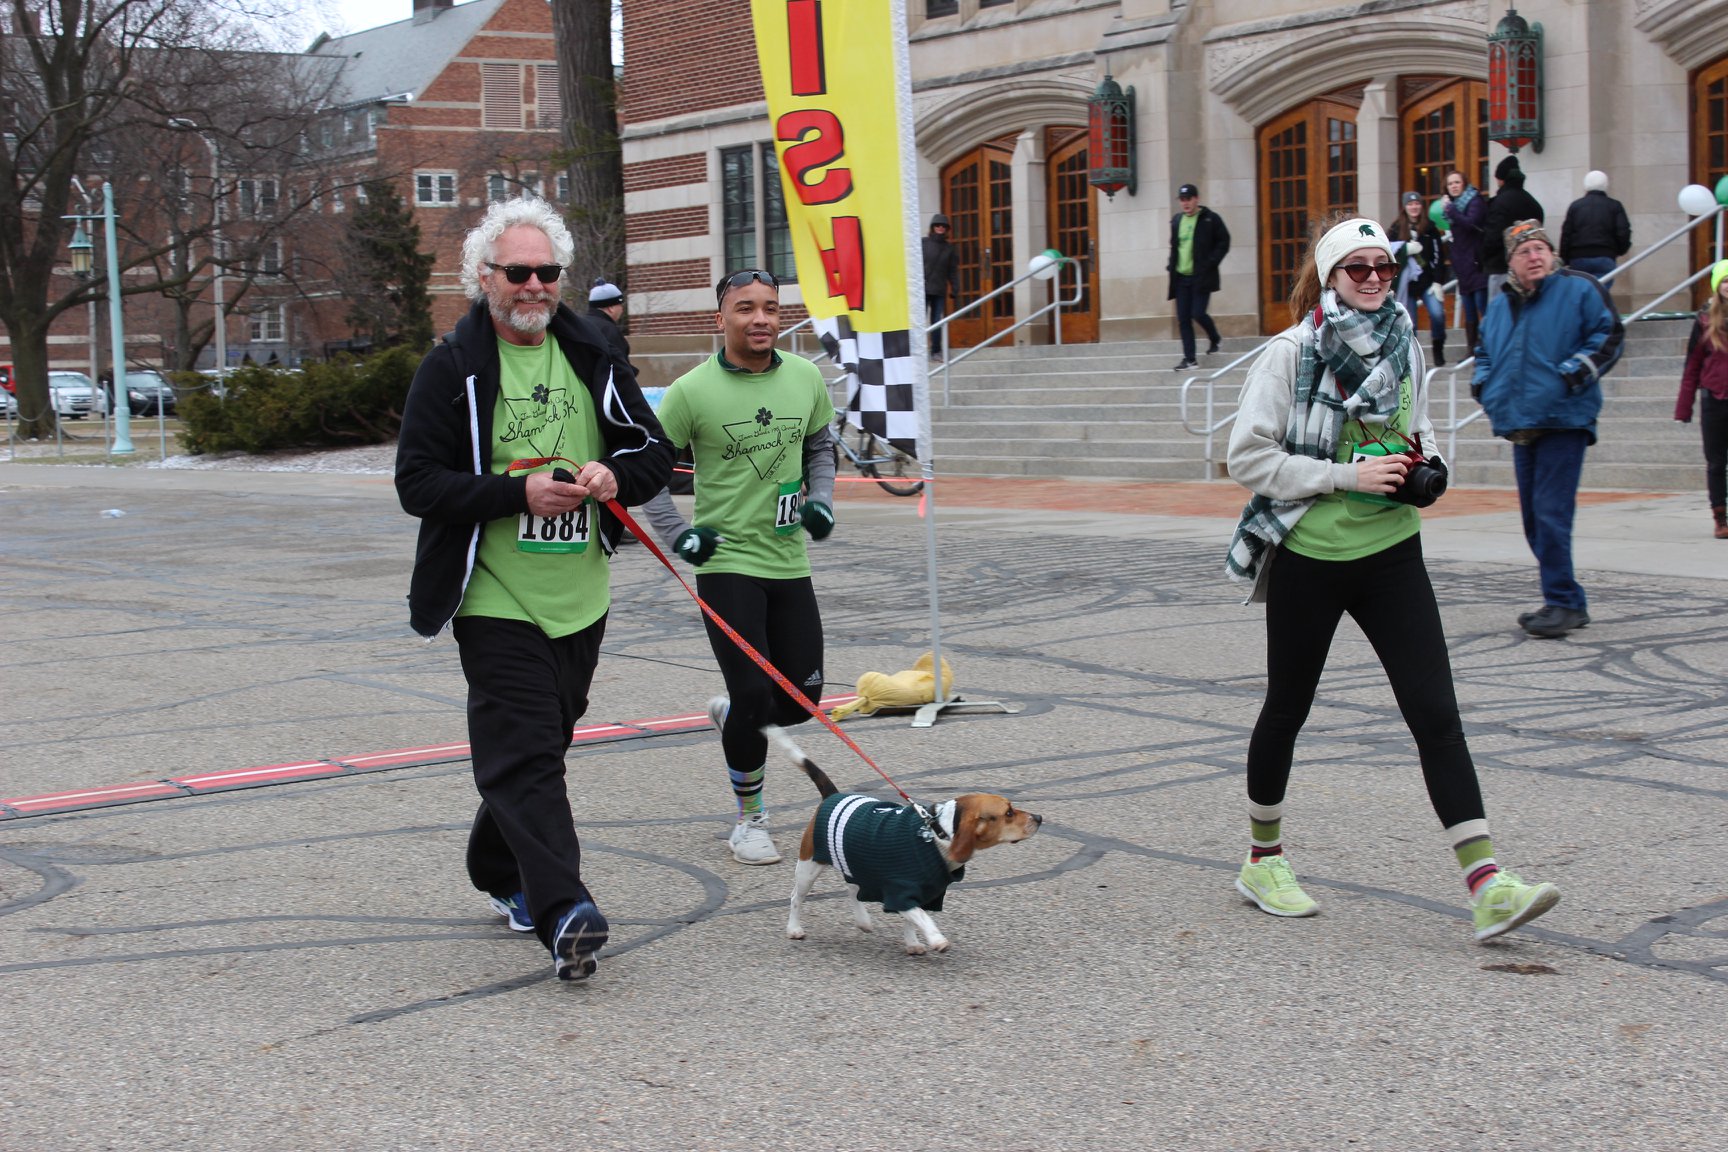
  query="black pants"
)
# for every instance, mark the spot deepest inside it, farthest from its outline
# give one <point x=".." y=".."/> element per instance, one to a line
<point x="1392" y="601"/>
<point x="525" y="693"/>
<point x="1713" y="420"/>
<point x="780" y="620"/>
<point x="936" y="307"/>
<point x="1191" y="302"/>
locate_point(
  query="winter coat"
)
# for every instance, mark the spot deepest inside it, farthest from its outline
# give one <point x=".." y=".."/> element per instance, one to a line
<point x="616" y="343"/>
<point x="1540" y="358"/>
<point x="941" y="266"/>
<point x="1433" y="259"/>
<point x="1705" y="368"/>
<point x="1467" y="241"/>
<point x="444" y="451"/>
<point x="1511" y="205"/>
<point x="1211" y="245"/>
<point x="1595" y="225"/>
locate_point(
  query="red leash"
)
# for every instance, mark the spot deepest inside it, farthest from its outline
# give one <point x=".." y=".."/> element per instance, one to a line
<point x="744" y="645"/>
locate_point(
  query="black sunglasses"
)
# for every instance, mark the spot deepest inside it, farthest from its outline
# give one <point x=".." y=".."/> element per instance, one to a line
<point x="740" y="279"/>
<point x="1360" y="272"/>
<point x="519" y="273"/>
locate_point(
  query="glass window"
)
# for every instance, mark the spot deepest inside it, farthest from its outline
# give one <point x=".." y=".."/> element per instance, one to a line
<point x="935" y="8"/>
<point x="738" y="205"/>
<point x="267" y="325"/>
<point x="435" y="189"/>
<point x="776" y="234"/>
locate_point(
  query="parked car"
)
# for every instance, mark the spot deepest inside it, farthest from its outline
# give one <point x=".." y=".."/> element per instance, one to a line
<point x="74" y="396"/>
<point x="10" y="403"/>
<point x="146" y="391"/>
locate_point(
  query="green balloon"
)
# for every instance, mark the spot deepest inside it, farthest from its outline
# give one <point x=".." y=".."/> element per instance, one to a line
<point x="1437" y="213"/>
<point x="1722" y="190"/>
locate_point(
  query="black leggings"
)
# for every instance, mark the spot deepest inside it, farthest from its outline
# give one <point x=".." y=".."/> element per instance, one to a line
<point x="1713" y="420"/>
<point x="1389" y="596"/>
<point x="780" y="620"/>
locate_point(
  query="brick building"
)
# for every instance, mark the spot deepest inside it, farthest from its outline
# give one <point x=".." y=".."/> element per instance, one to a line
<point x="454" y="105"/>
<point x="1278" y="109"/>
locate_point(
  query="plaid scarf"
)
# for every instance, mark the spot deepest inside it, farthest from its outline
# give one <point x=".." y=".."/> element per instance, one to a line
<point x="1362" y="357"/>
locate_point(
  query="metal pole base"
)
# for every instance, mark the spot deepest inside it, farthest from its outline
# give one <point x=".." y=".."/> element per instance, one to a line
<point x="928" y="713"/>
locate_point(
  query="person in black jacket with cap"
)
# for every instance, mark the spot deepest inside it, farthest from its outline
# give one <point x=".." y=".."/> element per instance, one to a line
<point x="1510" y="204"/>
<point x="1198" y="244"/>
<point x="606" y="309"/>
<point x="941" y="277"/>
<point x="1596" y="232"/>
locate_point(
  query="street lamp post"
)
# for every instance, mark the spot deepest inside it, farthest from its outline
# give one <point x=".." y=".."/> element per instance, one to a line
<point x="216" y="287"/>
<point x="122" y="444"/>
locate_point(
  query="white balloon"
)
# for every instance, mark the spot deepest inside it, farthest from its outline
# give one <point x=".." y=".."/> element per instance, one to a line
<point x="1695" y="200"/>
<point x="1045" y="265"/>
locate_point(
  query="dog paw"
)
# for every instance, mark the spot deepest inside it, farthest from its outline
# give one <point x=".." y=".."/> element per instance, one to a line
<point x="915" y="949"/>
<point x="794" y="933"/>
<point x="939" y="945"/>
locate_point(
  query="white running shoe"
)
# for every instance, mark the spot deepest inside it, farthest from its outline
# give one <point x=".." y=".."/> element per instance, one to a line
<point x="751" y="843"/>
<point x="717" y="709"/>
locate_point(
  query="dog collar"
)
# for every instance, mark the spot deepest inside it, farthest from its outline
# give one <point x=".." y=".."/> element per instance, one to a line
<point x="941" y="821"/>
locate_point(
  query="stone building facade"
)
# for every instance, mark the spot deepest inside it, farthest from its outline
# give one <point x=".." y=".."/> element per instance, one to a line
<point x="1276" y="109"/>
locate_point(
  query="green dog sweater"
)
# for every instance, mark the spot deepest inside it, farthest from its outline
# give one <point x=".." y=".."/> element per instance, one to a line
<point x="889" y="852"/>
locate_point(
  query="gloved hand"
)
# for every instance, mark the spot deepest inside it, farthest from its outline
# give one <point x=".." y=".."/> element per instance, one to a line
<point x="1434" y="291"/>
<point x="1576" y="376"/>
<point x="697" y="545"/>
<point x="818" y="519"/>
<point x="1413" y="249"/>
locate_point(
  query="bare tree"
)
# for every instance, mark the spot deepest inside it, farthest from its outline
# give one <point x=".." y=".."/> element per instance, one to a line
<point x="93" y="88"/>
<point x="589" y="90"/>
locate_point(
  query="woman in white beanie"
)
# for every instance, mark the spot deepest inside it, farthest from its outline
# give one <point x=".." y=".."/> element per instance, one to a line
<point x="1328" y="437"/>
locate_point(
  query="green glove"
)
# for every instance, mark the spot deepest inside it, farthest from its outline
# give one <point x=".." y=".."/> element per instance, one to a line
<point x="697" y="544"/>
<point x="818" y="519"/>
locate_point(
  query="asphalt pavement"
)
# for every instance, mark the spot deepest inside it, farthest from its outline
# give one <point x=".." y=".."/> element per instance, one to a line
<point x="301" y="964"/>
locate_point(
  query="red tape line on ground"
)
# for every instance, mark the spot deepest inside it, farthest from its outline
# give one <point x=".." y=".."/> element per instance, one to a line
<point x="208" y="783"/>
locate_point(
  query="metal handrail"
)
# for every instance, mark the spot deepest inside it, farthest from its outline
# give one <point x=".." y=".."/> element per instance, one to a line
<point x="1056" y="305"/>
<point x="1453" y="425"/>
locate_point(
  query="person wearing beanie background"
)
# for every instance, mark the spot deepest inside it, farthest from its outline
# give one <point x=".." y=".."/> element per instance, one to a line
<point x="1510" y="203"/>
<point x="941" y="277"/>
<point x="1596" y="231"/>
<point x="1198" y="244"/>
<point x="1705" y="380"/>
<point x="1320" y="538"/>
<point x="606" y="309"/>
<point x="1546" y="342"/>
<point x="1465" y="208"/>
<point x="1421" y="266"/>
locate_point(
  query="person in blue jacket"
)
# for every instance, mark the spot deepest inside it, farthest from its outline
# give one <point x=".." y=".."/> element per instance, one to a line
<point x="1547" y="340"/>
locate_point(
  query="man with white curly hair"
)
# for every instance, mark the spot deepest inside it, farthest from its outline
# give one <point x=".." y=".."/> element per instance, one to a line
<point x="511" y="445"/>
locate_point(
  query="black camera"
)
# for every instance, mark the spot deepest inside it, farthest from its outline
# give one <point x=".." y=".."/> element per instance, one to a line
<point x="1424" y="483"/>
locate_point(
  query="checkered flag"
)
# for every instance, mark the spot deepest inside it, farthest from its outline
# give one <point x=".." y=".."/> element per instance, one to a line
<point x="880" y="374"/>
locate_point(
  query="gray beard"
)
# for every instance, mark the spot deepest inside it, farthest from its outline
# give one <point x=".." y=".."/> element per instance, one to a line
<point x="521" y="320"/>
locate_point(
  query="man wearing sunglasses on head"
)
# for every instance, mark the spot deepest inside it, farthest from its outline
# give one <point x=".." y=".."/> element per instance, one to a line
<point x="519" y="426"/>
<point x="757" y="426"/>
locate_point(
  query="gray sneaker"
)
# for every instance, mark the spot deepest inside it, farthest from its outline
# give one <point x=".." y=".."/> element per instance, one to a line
<point x="751" y="843"/>
<point x="718" y="707"/>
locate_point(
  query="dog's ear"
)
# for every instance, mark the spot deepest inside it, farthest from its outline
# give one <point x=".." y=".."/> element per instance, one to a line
<point x="966" y="830"/>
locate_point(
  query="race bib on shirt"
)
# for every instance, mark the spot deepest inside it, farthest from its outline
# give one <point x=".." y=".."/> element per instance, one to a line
<point x="565" y="533"/>
<point x="786" y="519"/>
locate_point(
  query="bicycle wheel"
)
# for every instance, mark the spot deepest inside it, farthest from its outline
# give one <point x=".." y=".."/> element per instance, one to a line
<point x="893" y="471"/>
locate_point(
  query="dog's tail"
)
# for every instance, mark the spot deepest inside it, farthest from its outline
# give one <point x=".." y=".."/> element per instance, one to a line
<point x="778" y="735"/>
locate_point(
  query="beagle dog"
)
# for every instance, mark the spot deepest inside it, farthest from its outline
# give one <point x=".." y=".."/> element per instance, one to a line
<point x="902" y="857"/>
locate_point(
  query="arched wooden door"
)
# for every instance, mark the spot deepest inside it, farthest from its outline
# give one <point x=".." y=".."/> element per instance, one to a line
<point x="1709" y="154"/>
<point x="1073" y="229"/>
<point x="1444" y="125"/>
<point x="978" y="199"/>
<point x="1307" y="169"/>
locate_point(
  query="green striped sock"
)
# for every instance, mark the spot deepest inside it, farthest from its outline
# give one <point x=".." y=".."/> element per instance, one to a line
<point x="1265" y="824"/>
<point x="747" y="787"/>
<point x="1475" y="853"/>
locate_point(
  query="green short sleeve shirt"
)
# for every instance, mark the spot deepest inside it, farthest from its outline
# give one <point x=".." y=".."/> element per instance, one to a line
<point x="549" y="571"/>
<point x="745" y="432"/>
<point x="1351" y="525"/>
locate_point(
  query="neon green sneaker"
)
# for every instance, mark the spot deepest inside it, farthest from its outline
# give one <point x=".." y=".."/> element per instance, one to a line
<point x="1273" y="886"/>
<point x="1505" y="902"/>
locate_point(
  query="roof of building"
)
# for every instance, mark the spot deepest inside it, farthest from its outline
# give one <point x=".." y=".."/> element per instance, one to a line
<point x="405" y="57"/>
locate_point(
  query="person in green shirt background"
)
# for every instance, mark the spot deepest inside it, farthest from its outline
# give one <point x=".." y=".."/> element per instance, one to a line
<point x="756" y="425"/>
<point x="1198" y="244"/>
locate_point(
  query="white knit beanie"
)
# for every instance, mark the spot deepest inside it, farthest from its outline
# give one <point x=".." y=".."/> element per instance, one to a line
<point x="1595" y="181"/>
<point x="1343" y="239"/>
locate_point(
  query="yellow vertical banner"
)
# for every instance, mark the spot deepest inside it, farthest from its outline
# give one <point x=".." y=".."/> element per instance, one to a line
<point x="831" y="71"/>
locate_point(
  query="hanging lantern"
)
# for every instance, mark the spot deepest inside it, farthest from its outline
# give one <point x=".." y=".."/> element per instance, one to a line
<point x="1515" y="83"/>
<point x="1110" y="148"/>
